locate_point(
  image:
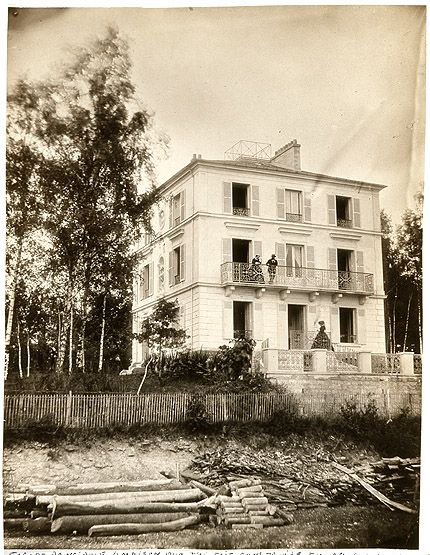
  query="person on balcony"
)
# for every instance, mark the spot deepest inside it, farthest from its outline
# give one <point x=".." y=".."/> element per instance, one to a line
<point x="257" y="270"/>
<point x="272" y="264"/>
<point x="322" y="340"/>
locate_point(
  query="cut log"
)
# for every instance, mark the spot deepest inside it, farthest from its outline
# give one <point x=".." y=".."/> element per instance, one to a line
<point x="244" y="483"/>
<point x="249" y="494"/>
<point x="43" y="489"/>
<point x="205" y="489"/>
<point x="267" y="520"/>
<point x="14" y="523"/>
<point x="41" y="525"/>
<point x="261" y="507"/>
<point x="254" y="501"/>
<point x="81" y="524"/>
<point x="118" y="487"/>
<point x="170" y="496"/>
<point x="257" y="513"/>
<point x="249" y="488"/>
<point x="231" y="510"/>
<point x="120" y="506"/>
<point x="233" y="505"/>
<point x="237" y="519"/>
<point x="373" y="491"/>
<point x="22" y="502"/>
<point x="234" y="498"/>
<point x="239" y="526"/>
<point x="132" y="529"/>
<point x="288" y="518"/>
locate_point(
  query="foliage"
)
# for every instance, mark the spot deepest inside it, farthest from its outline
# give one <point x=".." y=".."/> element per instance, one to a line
<point x="79" y="148"/>
<point x="197" y="419"/>
<point x="234" y="362"/>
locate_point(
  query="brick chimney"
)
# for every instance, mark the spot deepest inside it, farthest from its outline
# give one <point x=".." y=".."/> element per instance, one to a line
<point x="288" y="156"/>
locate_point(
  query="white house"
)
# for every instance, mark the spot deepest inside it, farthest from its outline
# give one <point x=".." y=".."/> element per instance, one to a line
<point x="215" y="215"/>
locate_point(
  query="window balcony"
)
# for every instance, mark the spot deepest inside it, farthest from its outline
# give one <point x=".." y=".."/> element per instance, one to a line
<point x="242" y="334"/>
<point x="305" y="279"/>
<point x="238" y="211"/>
<point x="344" y="223"/>
<point x="291" y="217"/>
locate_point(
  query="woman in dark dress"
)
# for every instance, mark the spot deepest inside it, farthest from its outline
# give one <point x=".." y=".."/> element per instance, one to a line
<point x="322" y="340"/>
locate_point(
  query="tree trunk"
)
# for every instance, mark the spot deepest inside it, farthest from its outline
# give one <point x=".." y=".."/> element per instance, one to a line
<point x="120" y="506"/>
<point x="18" y="335"/>
<point x="405" y="337"/>
<point x="62" y="343"/>
<point x="129" y="529"/>
<point x="10" y="313"/>
<point x="420" y="329"/>
<point x="28" y="355"/>
<point x="82" y="523"/>
<point x="71" y="338"/>
<point x="102" y="334"/>
<point x="394" y="322"/>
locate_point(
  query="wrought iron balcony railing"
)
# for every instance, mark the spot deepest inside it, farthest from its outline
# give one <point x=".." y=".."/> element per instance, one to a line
<point x="296" y="278"/>
<point x="237" y="211"/>
<point x="291" y="217"/>
<point x="242" y="334"/>
<point x="344" y="223"/>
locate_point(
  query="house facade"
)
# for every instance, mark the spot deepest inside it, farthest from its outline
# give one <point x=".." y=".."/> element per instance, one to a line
<point x="216" y="215"/>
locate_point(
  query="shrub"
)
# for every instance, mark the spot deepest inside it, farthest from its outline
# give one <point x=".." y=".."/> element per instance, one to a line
<point x="197" y="418"/>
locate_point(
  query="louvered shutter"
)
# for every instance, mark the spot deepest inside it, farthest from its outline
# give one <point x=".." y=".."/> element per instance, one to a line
<point x="280" y="256"/>
<point x="282" y="326"/>
<point x="171" y="276"/>
<point x="226" y="250"/>
<point x="331" y="203"/>
<point x="227" y="197"/>
<point x="182" y="201"/>
<point x="227" y="320"/>
<point x="280" y="204"/>
<point x="310" y="256"/>
<point x="258" y="323"/>
<point x="171" y="212"/>
<point x="257" y="247"/>
<point x="182" y="263"/>
<point x="151" y="278"/>
<point x="361" y="327"/>
<point x="356" y="212"/>
<point x="359" y="269"/>
<point x="255" y="200"/>
<point x="332" y="259"/>
<point x="307" y="212"/>
<point x="334" y="324"/>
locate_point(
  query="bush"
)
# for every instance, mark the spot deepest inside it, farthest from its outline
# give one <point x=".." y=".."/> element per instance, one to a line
<point x="197" y="419"/>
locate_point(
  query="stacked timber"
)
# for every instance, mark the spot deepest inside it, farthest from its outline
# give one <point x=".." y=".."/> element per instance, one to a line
<point x="107" y="508"/>
<point x="248" y="507"/>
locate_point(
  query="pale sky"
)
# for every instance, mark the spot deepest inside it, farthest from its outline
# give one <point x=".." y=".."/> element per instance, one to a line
<point x="346" y="81"/>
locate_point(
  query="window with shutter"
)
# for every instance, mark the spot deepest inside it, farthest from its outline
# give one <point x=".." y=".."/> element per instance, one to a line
<point x="293" y="206"/>
<point x="331" y="204"/>
<point x="280" y="204"/>
<point x="307" y="208"/>
<point x="151" y="278"/>
<point x="171" y="274"/>
<point x="182" y="274"/>
<point x="356" y="212"/>
<point x="226" y="250"/>
<point x="255" y="202"/>
<point x="227" y="197"/>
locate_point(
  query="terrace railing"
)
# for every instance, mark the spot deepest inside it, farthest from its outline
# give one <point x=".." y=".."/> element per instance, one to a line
<point x="296" y="278"/>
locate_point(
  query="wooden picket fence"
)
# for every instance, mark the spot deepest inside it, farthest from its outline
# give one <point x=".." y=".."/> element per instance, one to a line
<point x="103" y="410"/>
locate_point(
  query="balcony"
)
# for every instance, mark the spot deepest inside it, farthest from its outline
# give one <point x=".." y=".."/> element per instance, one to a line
<point x="344" y="223"/>
<point x="291" y="217"/>
<point x="237" y="211"/>
<point x="305" y="279"/>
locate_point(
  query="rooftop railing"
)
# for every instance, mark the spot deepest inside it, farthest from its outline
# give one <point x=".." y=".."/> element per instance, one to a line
<point x="296" y="278"/>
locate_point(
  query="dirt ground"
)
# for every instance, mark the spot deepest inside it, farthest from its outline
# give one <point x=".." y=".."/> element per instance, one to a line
<point x="101" y="460"/>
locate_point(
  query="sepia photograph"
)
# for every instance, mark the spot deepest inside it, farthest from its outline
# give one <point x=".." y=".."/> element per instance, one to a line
<point x="213" y="324"/>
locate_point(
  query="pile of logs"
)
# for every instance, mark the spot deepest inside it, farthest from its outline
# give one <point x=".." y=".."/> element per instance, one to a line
<point x="104" y="509"/>
<point x="248" y="507"/>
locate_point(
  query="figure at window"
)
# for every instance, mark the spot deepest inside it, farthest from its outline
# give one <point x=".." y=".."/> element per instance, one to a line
<point x="272" y="264"/>
<point x="322" y="340"/>
<point x="256" y="270"/>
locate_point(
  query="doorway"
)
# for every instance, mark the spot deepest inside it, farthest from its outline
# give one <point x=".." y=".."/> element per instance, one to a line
<point x="344" y="268"/>
<point x="241" y="250"/>
<point x="296" y="326"/>
<point x="242" y="319"/>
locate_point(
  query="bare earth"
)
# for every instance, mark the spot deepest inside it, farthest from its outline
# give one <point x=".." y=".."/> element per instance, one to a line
<point x="104" y="460"/>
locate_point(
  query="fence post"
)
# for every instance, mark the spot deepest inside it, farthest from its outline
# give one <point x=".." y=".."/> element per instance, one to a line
<point x="365" y="362"/>
<point x="69" y="409"/>
<point x="406" y="364"/>
<point x="319" y="360"/>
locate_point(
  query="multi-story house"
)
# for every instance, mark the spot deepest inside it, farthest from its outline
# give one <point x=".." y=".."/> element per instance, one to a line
<point x="216" y="215"/>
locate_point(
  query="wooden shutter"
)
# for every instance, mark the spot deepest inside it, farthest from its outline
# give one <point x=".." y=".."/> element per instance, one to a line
<point x="226" y="250"/>
<point x="227" y="197"/>
<point x="182" y="203"/>
<point x="307" y="212"/>
<point x="171" y="212"/>
<point x="310" y="256"/>
<point x="356" y="212"/>
<point x="280" y="253"/>
<point x="361" y="327"/>
<point x="359" y="261"/>
<point x="331" y="203"/>
<point x="171" y="276"/>
<point x="151" y="278"/>
<point x="334" y="324"/>
<point x="182" y="262"/>
<point x="255" y="200"/>
<point x="280" y="204"/>
<point x="227" y="320"/>
<point x="282" y="326"/>
<point x="257" y="247"/>
<point x="258" y="324"/>
<point x="332" y="259"/>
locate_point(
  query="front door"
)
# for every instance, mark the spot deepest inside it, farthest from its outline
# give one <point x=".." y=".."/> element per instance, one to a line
<point x="296" y="326"/>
